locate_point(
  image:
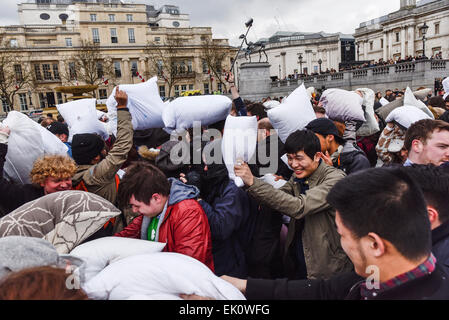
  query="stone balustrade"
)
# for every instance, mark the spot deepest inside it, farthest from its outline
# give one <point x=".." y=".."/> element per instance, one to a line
<point x="408" y="74"/>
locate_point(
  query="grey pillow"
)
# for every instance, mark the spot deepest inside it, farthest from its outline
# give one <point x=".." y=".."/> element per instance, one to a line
<point x="64" y="218"/>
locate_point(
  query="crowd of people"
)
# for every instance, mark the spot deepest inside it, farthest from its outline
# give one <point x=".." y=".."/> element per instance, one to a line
<point x="366" y="64"/>
<point x="348" y="205"/>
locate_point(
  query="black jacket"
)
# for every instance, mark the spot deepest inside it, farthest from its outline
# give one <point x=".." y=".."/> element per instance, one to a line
<point x="440" y="245"/>
<point x="352" y="159"/>
<point x="347" y="286"/>
<point x="14" y="195"/>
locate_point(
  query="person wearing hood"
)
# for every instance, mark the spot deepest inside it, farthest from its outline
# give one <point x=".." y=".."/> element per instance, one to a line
<point x="335" y="151"/>
<point x="230" y="212"/>
<point x="169" y="212"/>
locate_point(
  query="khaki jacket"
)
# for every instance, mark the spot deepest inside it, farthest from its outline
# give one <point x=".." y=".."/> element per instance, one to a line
<point x="100" y="178"/>
<point x="323" y="254"/>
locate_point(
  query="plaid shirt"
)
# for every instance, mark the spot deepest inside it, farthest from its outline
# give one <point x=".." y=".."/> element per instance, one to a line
<point x="422" y="270"/>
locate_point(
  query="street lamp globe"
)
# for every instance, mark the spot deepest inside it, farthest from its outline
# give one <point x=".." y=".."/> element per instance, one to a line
<point x="424" y="29"/>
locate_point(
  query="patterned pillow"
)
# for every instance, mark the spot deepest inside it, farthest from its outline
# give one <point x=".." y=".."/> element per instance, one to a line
<point x="65" y="219"/>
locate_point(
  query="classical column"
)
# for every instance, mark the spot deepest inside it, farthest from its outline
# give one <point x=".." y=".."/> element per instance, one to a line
<point x="328" y="57"/>
<point x="390" y="45"/>
<point x="365" y="50"/>
<point x="143" y="68"/>
<point x="126" y="72"/>
<point x="411" y="41"/>
<point x="284" y="71"/>
<point x="385" y="52"/>
<point x="403" y="43"/>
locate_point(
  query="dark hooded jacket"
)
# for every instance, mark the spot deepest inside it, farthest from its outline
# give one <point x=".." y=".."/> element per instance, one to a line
<point x="351" y="159"/>
<point x="440" y="245"/>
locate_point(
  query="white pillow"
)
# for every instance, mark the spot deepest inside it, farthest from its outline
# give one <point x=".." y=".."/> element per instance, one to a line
<point x="271" y="104"/>
<point x="238" y="143"/>
<point x="406" y="116"/>
<point x="410" y="100"/>
<point x="27" y="142"/>
<point x="81" y="117"/>
<point x="294" y="113"/>
<point x="446" y="87"/>
<point x="342" y="105"/>
<point x="384" y="101"/>
<point x="144" y="104"/>
<point x="164" y="274"/>
<point x="180" y="114"/>
<point x="101" y="252"/>
<point x="371" y="126"/>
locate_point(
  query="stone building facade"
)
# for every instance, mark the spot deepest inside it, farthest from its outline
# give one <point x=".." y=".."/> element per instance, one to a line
<point x="53" y="31"/>
<point x="399" y="33"/>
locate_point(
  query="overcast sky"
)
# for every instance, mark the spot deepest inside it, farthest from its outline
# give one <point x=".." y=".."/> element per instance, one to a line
<point x="227" y="17"/>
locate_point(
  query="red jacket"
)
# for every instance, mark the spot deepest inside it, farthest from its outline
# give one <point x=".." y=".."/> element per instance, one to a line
<point x="185" y="229"/>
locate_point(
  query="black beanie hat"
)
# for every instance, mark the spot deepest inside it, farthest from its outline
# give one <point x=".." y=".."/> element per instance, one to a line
<point x="58" y="128"/>
<point x="85" y="147"/>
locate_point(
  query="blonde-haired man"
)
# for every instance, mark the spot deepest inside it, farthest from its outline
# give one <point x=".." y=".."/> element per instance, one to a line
<point x="50" y="174"/>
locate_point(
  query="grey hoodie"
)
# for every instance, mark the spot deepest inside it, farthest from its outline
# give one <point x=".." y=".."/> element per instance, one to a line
<point x="178" y="192"/>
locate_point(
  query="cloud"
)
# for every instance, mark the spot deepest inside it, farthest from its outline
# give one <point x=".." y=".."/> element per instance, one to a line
<point x="227" y="17"/>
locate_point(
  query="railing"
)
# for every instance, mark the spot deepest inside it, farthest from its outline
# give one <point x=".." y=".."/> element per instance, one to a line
<point x="360" y="73"/>
<point x="337" y="76"/>
<point x="405" y="67"/>
<point x="373" y="74"/>
<point x="437" y="64"/>
<point x="381" y="70"/>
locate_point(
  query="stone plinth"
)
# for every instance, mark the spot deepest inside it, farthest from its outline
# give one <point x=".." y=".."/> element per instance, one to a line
<point x="254" y="80"/>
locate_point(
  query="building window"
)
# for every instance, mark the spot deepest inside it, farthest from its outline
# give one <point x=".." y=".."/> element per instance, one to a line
<point x="117" y="69"/>
<point x="95" y="35"/>
<point x="205" y="68"/>
<point x="47" y="71"/>
<point x="23" y="101"/>
<point x="131" y="36"/>
<point x="190" y="87"/>
<point x="114" y="38"/>
<point x="13" y="43"/>
<point x="42" y="99"/>
<point x="381" y="43"/>
<point x="437" y="28"/>
<point x="103" y="93"/>
<point x="100" y="72"/>
<point x="18" y="72"/>
<point x="189" y="67"/>
<point x="5" y="105"/>
<point x="183" y="88"/>
<point x="206" y="88"/>
<point x="93" y="17"/>
<point x="112" y="18"/>
<point x="56" y="71"/>
<point x="72" y="71"/>
<point x="37" y="72"/>
<point x="371" y="45"/>
<point x="157" y="39"/>
<point x="134" y="69"/>
<point x="68" y="42"/>
<point x="176" y="91"/>
<point x="129" y="17"/>
<point x="220" y="87"/>
<point x="59" y="97"/>
<point x="398" y="37"/>
<point x="159" y="67"/>
<point x="162" y="91"/>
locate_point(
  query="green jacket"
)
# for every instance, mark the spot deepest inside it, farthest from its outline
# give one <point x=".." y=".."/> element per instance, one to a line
<point x="323" y="254"/>
<point x="100" y="178"/>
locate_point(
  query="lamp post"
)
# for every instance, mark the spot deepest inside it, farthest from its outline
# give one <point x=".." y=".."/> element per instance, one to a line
<point x="424" y="29"/>
<point x="320" y="62"/>
<point x="300" y="63"/>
